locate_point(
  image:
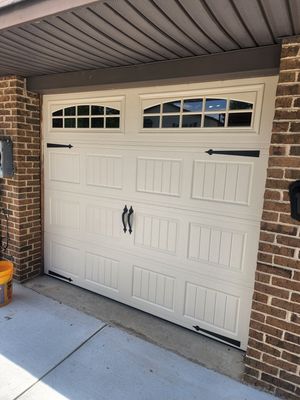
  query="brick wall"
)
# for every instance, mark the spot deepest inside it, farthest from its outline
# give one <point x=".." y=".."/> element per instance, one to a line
<point x="273" y="356"/>
<point x="20" y="119"/>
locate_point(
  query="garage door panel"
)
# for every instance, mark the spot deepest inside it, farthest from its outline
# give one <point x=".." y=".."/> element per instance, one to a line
<point x="64" y="213"/>
<point x="191" y="255"/>
<point x="104" y="171"/>
<point x="107" y="271"/>
<point x="202" y="243"/>
<point x="102" y="271"/>
<point x="64" y="167"/>
<point x="87" y="169"/>
<point x="223" y="181"/>
<point x="214" y="245"/>
<point x="63" y="256"/>
<point x="153" y="287"/>
<point x="213" y="249"/>
<point x="103" y="220"/>
<point x="219" y="309"/>
<point x="198" y="181"/>
<point x="212" y="307"/>
<point x="156" y="233"/>
<point x="159" y="175"/>
<point x="190" y="299"/>
<point x="96" y="220"/>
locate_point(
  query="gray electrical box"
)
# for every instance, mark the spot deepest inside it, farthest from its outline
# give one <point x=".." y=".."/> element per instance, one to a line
<point x="6" y="157"/>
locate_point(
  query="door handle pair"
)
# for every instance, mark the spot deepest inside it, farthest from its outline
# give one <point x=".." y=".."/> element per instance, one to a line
<point x="129" y="222"/>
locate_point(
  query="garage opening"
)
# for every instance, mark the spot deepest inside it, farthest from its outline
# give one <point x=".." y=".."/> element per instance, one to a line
<point x="153" y="197"/>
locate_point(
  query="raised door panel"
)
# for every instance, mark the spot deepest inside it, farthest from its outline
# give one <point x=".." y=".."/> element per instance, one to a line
<point x="86" y="169"/>
<point x="63" y="256"/>
<point x="85" y="218"/>
<point x="156" y="233"/>
<point x="94" y="267"/>
<point x="189" y="299"/>
<point x="209" y="306"/>
<point x="228" y="185"/>
<point x="197" y="242"/>
<point x="161" y="176"/>
<point x="218" y="184"/>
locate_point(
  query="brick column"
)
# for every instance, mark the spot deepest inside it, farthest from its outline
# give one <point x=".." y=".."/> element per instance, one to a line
<point x="273" y="356"/>
<point x="20" y="119"/>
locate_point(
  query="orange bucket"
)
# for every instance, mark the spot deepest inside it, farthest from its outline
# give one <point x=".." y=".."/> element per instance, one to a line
<point x="6" y="277"/>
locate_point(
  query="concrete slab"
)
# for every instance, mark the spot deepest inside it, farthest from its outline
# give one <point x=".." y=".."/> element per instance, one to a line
<point x="195" y="347"/>
<point x="36" y="333"/>
<point x="114" y="365"/>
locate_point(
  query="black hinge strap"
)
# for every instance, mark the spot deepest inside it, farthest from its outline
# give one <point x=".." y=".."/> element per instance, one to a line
<point x="69" y="146"/>
<point x="241" y="153"/>
<point x="218" y="336"/>
<point x="60" y="276"/>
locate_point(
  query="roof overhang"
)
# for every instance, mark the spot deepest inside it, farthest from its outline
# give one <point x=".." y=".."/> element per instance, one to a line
<point x="59" y="45"/>
<point x="15" y="13"/>
<point x="261" y="61"/>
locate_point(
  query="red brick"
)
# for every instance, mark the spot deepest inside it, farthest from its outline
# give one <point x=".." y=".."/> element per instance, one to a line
<point x="275" y="172"/>
<point x="291" y="357"/>
<point x="286" y="395"/>
<point x="287" y="262"/>
<point x="286" y="90"/>
<point x="272" y="270"/>
<point x="295" y="151"/>
<point x="279" y="228"/>
<point x="289" y="64"/>
<point x="277" y="382"/>
<point x="261" y="366"/>
<point x="263" y="347"/>
<point x="285" y="102"/>
<point x="280" y="127"/>
<point x="286" y="305"/>
<point x="288" y="241"/>
<point x="289" y="51"/>
<point x="275" y="317"/>
<point x="290" y="377"/>
<point x="265" y="309"/>
<point x="295" y="127"/>
<point x="278" y="362"/>
<point x="267" y="237"/>
<point x="17" y="191"/>
<point x="273" y="291"/>
<point x="284" y="161"/>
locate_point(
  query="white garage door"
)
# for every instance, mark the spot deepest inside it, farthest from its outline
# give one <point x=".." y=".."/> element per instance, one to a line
<point x="138" y="209"/>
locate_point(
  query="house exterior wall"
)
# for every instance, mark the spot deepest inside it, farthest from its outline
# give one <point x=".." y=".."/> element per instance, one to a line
<point x="273" y="356"/>
<point x="21" y="194"/>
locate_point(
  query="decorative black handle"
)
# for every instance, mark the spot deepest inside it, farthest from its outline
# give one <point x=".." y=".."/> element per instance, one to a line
<point x="129" y="222"/>
<point x="125" y="211"/>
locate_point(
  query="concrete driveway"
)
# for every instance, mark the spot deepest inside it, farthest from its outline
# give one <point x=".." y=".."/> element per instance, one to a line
<point x="49" y="351"/>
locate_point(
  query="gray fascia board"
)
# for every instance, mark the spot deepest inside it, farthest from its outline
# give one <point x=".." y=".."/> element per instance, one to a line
<point x="27" y="11"/>
<point x="241" y="63"/>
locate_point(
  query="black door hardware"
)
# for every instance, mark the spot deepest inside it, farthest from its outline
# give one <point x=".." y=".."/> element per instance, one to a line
<point x="241" y="153"/>
<point x="60" y="276"/>
<point x="294" y="191"/>
<point x="69" y="146"/>
<point x="216" y="335"/>
<point x="125" y="211"/>
<point x="129" y="221"/>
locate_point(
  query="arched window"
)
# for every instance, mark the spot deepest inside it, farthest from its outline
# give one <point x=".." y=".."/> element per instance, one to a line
<point x="86" y="117"/>
<point x="202" y="112"/>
